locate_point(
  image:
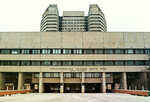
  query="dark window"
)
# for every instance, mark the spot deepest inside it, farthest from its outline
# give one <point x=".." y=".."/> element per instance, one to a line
<point x="36" y="75"/>
<point x="56" y="63"/>
<point x="129" y="63"/>
<point x="46" y="63"/>
<point x="118" y="51"/>
<point x="98" y="63"/>
<point x="88" y="51"/>
<point x="5" y="63"/>
<point x="35" y="63"/>
<point x="77" y="63"/>
<point x="108" y="51"/>
<point x="98" y="51"/>
<point x="108" y="75"/>
<point x="119" y="63"/>
<point x="15" y="63"/>
<point x="6" y="51"/>
<point x="88" y="63"/>
<point x="139" y="63"/>
<point x="108" y="63"/>
<point x="67" y="63"/>
<point x="25" y="63"/>
<point x="139" y="51"/>
<point x="147" y="51"/>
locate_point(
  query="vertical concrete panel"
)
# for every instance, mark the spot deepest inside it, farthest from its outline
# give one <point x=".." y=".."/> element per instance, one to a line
<point x="41" y="82"/>
<point x="61" y="82"/>
<point x="124" y="80"/>
<point x="104" y="82"/>
<point x="20" y="81"/>
<point x="83" y="81"/>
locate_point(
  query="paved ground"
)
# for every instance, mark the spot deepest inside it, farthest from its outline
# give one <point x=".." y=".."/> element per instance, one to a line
<point x="74" y="97"/>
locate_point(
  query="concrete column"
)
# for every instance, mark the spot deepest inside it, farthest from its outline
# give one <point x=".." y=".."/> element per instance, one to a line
<point x="40" y="82"/>
<point x="124" y="80"/>
<point x="103" y="82"/>
<point x="61" y="82"/>
<point x="2" y="81"/>
<point x="82" y="84"/>
<point x="20" y="81"/>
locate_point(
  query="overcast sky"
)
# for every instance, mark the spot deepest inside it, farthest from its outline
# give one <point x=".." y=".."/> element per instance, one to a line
<point x="121" y="15"/>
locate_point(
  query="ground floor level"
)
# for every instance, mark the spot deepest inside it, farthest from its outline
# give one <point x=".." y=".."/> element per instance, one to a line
<point x="74" y="82"/>
<point x="74" y="97"/>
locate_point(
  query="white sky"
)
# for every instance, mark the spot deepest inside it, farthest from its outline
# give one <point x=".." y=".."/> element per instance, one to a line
<point x="121" y="15"/>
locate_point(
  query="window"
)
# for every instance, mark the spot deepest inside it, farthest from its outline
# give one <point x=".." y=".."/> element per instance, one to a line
<point x="46" y="63"/>
<point x="118" y="51"/>
<point x="108" y="63"/>
<point x="88" y="51"/>
<point x="35" y="63"/>
<point x="129" y="51"/>
<point x="66" y="51"/>
<point x="98" y="51"/>
<point x="51" y="75"/>
<point x="67" y="63"/>
<point x="72" y="75"/>
<point x="46" y="51"/>
<point x="119" y="63"/>
<point x="14" y="63"/>
<point x="36" y="75"/>
<point x="5" y="63"/>
<point x="147" y="51"/>
<point x="108" y="51"/>
<point x="6" y="51"/>
<point x="77" y="51"/>
<point x="88" y="63"/>
<point x="35" y="51"/>
<point x="15" y="51"/>
<point x="77" y="63"/>
<point x="25" y="51"/>
<point x="139" y="51"/>
<point x="98" y="63"/>
<point x="93" y="75"/>
<point x="56" y="51"/>
<point x="108" y="75"/>
<point x="56" y="63"/>
<point x="139" y="63"/>
<point x="129" y="63"/>
<point x="25" y="63"/>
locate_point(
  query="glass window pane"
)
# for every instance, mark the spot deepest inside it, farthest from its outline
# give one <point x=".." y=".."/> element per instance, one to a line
<point x="35" y="63"/>
<point x="129" y="62"/>
<point x="66" y="51"/>
<point x="35" y="51"/>
<point x="108" y="51"/>
<point x="5" y="63"/>
<point x="46" y="63"/>
<point x="108" y="63"/>
<point x="46" y="51"/>
<point x="98" y="51"/>
<point x="77" y="51"/>
<point x="119" y="63"/>
<point x="15" y="51"/>
<point x="36" y="75"/>
<point x="98" y="63"/>
<point x="118" y="51"/>
<point x="88" y="51"/>
<point x="67" y="63"/>
<point x="77" y="63"/>
<point x="15" y="63"/>
<point x="139" y="51"/>
<point x="25" y="51"/>
<point x="108" y="75"/>
<point x="88" y="63"/>
<point x="56" y="51"/>
<point x="130" y="51"/>
<point x="25" y="63"/>
<point x="139" y="62"/>
<point x="56" y="63"/>
<point x="5" y="51"/>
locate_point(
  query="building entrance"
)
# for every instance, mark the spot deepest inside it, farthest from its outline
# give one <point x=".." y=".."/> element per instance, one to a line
<point x="52" y="88"/>
<point x="92" y="88"/>
<point x="72" y="88"/>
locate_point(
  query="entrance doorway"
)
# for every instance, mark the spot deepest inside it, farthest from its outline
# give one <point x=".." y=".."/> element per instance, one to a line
<point x="52" y="88"/>
<point x="72" y="88"/>
<point x="92" y="88"/>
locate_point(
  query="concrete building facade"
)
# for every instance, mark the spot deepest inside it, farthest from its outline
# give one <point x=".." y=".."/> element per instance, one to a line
<point x="74" y="61"/>
<point x="73" y="21"/>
